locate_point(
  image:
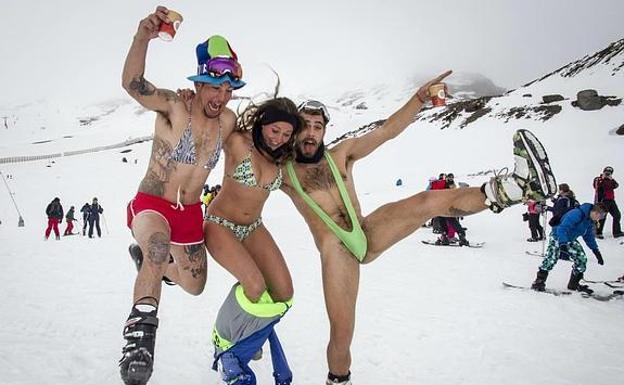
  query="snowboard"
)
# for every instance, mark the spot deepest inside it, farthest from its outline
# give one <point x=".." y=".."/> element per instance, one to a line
<point x="556" y="292"/>
<point x="472" y="244"/>
<point x="548" y="290"/>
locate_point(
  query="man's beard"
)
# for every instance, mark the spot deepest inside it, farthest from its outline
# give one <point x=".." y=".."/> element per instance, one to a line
<point x="314" y="158"/>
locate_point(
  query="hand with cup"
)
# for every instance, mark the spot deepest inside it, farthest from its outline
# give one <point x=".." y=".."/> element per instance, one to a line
<point x="162" y="23"/>
<point x="168" y="29"/>
<point x="435" y="90"/>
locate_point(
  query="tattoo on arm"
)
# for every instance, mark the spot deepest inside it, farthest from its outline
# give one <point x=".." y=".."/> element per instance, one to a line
<point x="142" y="86"/>
<point x="168" y="95"/>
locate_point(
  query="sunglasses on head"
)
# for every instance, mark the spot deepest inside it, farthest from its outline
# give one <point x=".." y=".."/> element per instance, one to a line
<point x="313" y="105"/>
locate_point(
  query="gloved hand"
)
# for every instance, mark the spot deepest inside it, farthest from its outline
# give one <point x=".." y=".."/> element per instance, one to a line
<point x="564" y="251"/>
<point x="598" y="257"/>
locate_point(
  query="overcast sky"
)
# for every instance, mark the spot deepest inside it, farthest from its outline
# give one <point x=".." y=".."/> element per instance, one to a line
<point x="75" y="49"/>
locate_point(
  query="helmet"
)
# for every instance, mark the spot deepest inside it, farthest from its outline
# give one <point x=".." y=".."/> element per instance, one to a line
<point x="608" y="170"/>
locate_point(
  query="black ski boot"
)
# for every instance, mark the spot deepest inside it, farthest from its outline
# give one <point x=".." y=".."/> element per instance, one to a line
<point x="442" y="240"/>
<point x="463" y="241"/>
<point x="540" y="281"/>
<point x="137" y="361"/>
<point x="137" y="256"/>
<point x="573" y="284"/>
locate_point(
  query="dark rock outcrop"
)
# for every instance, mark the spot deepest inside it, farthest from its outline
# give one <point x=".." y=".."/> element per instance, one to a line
<point x="620" y="131"/>
<point x="552" y="98"/>
<point x="589" y="100"/>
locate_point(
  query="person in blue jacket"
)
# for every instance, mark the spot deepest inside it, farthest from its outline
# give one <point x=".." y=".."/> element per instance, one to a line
<point x="578" y="222"/>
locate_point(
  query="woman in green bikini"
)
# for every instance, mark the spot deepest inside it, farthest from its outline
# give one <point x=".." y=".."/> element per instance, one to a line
<point x="238" y="240"/>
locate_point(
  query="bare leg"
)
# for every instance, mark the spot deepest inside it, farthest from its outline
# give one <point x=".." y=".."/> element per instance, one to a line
<point x="232" y="255"/>
<point x="341" y="278"/>
<point x="271" y="263"/>
<point x="394" y="221"/>
<point x="152" y="234"/>
<point x="189" y="269"/>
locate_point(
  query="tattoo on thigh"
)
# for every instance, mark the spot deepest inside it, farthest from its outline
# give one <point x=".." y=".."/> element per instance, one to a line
<point x="197" y="256"/>
<point x="158" y="248"/>
<point x="455" y="212"/>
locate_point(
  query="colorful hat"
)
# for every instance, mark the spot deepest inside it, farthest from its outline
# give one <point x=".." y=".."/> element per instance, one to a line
<point x="217" y="63"/>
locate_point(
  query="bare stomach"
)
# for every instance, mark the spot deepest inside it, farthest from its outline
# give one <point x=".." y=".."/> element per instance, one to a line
<point x="185" y="188"/>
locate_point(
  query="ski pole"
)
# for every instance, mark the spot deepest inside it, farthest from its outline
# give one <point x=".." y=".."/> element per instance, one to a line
<point x="545" y="228"/>
<point x="105" y="224"/>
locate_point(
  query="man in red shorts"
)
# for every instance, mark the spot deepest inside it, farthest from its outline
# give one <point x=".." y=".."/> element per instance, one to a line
<point x="166" y="216"/>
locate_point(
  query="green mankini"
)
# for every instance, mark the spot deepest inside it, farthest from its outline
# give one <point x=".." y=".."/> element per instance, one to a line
<point x="355" y="240"/>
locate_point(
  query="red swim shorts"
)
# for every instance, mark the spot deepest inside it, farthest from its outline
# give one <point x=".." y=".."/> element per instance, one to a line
<point x="185" y="222"/>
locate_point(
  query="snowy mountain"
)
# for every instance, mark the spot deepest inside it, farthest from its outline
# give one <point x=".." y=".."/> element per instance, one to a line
<point x="425" y="314"/>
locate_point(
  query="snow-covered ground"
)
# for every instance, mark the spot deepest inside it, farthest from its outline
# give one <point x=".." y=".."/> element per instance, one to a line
<point x="426" y="315"/>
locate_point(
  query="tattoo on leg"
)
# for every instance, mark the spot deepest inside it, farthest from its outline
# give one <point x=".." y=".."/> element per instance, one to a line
<point x="197" y="256"/>
<point x="158" y="248"/>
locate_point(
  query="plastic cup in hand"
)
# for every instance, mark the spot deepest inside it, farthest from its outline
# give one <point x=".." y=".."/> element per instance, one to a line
<point x="168" y="30"/>
<point x="438" y="96"/>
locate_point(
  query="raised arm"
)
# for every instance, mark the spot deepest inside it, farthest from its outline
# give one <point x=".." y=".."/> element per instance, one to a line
<point x="132" y="79"/>
<point x="360" y="147"/>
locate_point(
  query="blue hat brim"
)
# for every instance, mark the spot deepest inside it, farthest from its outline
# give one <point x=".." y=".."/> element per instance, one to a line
<point x="236" y="84"/>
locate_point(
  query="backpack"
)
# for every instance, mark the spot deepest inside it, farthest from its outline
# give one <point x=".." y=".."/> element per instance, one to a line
<point x="560" y="211"/>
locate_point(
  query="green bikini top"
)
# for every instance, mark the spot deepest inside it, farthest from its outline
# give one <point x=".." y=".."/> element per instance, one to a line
<point x="355" y="240"/>
<point x="244" y="174"/>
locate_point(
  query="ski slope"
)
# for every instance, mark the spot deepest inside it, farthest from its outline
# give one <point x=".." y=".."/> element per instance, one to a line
<point x="426" y="315"/>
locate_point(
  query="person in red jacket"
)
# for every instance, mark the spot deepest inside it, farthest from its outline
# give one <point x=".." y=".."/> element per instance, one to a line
<point x="605" y="194"/>
<point x="54" y="211"/>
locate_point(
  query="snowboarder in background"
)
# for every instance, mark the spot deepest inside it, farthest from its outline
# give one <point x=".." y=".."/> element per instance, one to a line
<point x="605" y="194"/>
<point x="69" y="219"/>
<point x="94" y="218"/>
<point x="578" y="222"/>
<point x="534" y="211"/>
<point x="54" y="211"/>
<point x="85" y="210"/>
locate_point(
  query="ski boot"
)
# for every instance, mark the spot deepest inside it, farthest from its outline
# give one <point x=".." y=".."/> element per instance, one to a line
<point x="573" y="284"/>
<point x="231" y="372"/>
<point x="137" y="361"/>
<point x="333" y="379"/>
<point x="463" y="241"/>
<point x="540" y="281"/>
<point x="532" y="177"/>
<point x="442" y="240"/>
<point x="137" y="257"/>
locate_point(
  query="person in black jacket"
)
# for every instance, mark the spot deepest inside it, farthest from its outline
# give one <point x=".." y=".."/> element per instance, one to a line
<point x="54" y="211"/>
<point x="94" y="218"/>
<point x="85" y="210"/>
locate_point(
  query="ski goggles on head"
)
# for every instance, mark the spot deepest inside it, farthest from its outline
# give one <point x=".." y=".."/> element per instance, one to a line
<point x="219" y="70"/>
<point x="314" y="105"/>
<point x="221" y="66"/>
